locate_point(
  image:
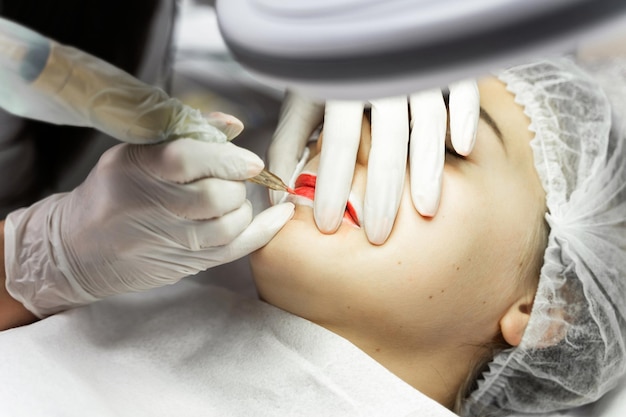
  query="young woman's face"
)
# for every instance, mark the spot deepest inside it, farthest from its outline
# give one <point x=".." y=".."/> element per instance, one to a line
<point x="436" y="282"/>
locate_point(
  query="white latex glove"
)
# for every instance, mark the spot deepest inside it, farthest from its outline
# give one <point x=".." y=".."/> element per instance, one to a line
<point x="428" y="137"/>
<point x="146" y="216"/>
<point x="386" y="167"/>
<point x="299" y="117"/>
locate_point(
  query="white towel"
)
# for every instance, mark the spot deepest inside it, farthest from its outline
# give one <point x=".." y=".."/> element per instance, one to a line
<point x="193" y="350"/>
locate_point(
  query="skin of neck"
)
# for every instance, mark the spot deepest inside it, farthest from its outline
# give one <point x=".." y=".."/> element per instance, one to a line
<point x="438" y="372"/>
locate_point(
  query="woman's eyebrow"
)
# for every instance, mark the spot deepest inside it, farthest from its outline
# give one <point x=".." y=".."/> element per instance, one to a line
<point x="489" y="120"/>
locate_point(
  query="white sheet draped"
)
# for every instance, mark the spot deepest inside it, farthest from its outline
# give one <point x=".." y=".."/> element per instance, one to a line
<point x="193" y="350"/>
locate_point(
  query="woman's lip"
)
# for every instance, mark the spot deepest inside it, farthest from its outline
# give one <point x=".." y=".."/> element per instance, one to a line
<point x="352" y="214"/>
<point x="305" y="187"/>
<point x="305" y="180"/>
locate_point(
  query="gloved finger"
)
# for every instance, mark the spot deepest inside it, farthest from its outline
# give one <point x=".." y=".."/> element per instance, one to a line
<point x="464" y="113"/>
<point x="201" y="234"/>
<point x="262" y="229"/>
<point x="230" y="125"/>
<point x="299" y="116"/>
<point x="187" y="160"/>
<point x="386" y="166"/>
<point x="342" y="135"/>
<point x="427" y="149"/>
<point x="204" y="199"/>
<point x="223" y="230"/>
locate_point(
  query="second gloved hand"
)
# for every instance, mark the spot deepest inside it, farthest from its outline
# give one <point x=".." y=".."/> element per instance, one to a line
<point x="388" y="155"/>
<point x="146" y="216"/>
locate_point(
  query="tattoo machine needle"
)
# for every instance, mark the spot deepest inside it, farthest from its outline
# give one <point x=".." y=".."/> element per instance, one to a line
<point x="271" y="181"/>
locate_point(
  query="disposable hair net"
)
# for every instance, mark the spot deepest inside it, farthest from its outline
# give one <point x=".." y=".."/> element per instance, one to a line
<point x="573" y="350"/>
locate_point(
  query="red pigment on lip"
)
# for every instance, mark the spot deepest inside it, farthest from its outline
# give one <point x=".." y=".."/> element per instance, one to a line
<point x="351" y="213"/>
<point x="306" y="180"/>
<point x="305" y="187"/>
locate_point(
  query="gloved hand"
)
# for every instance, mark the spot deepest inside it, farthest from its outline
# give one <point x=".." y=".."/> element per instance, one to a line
<point x="387" y="162"/>
<point x="146" y="216"/>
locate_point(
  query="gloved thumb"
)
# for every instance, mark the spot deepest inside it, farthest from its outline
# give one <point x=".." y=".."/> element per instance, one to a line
<point x="262" y="229"/>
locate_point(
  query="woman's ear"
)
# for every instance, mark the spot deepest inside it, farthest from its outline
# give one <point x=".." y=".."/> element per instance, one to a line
<point x="514" y="322"/>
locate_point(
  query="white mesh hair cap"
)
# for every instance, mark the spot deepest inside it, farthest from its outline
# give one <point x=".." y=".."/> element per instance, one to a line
<point x="574" y="348"/>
